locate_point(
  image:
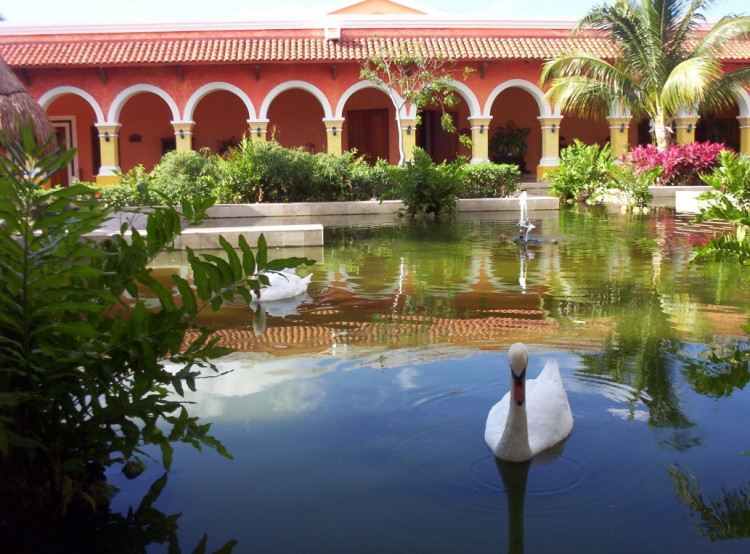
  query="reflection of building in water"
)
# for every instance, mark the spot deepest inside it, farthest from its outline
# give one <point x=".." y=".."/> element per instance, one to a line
<point x="397" y="332"/>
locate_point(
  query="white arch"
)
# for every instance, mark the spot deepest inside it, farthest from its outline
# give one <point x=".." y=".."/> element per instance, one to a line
<point x="113" y="117"/>
<point x="212" y="87"/>
<point x="53" y="94"/>
<point x="545" y="110"/>
<point x="289" y="85"/>
<point x="469" y="97"/>
<point x="743" y="102"/>
<point x="355" y="88"/>
<point x="465" y="92"/>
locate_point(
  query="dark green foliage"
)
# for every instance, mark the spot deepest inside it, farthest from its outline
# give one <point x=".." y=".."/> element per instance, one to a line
<point x="428" y="188"/>
<point x="89" y="375"/>
<point x="488" y="180"/>
<point x="178" y="176"/>
<point x="267" y="172"/>
<point x="583" y="169"/>
<point x="341" y="178"/>
<point x="185" y="175"/>
<point x="728" y="201"/>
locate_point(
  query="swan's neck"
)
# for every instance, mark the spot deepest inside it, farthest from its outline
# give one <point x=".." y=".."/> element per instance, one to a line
<point x="515" y="440"/>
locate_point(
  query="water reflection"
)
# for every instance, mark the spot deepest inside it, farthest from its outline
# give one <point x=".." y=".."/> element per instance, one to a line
<point x="722" y="516"/>
<point x="382" y="381"/>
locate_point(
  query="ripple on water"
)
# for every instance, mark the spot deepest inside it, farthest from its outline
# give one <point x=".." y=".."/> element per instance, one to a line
<point x="434" y="466"/>
<point x="447" y="461"/>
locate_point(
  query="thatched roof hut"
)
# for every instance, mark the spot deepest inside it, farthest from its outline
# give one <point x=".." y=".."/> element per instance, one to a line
<point x="17" y="108"/>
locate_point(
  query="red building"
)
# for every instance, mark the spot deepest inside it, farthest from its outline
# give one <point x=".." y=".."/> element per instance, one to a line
<point x="126" y="94"/>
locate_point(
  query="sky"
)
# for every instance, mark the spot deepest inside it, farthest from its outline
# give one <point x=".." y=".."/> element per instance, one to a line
<point x="31" y="12"/>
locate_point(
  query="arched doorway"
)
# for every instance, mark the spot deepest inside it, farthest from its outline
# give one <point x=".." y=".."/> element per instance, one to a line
<point x="146" y="133"/>
<point x="296" y="120"/>
<point x="517" y="107"/>
<point x="220" y="121"/>
<point x="370" y="125"/>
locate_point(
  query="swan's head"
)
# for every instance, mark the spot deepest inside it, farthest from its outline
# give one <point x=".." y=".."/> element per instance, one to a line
<point x="518" y="358"/>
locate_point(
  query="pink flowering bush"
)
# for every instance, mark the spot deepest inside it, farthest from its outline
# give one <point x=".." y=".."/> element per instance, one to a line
<point x="682" y="164"/>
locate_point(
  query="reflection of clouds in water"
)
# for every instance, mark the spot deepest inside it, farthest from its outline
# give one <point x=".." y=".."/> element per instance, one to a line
<point x="629" y="415"/>
<point x="300" y="396"/>
<point x="407" y="376"/>
<point x="248" y="374"/>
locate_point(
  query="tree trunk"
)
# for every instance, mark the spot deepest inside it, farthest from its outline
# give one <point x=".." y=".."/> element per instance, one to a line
<point x="660" y="130"/>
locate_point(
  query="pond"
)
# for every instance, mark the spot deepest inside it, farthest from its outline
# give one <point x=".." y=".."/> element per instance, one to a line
<point x="356" y="420"/>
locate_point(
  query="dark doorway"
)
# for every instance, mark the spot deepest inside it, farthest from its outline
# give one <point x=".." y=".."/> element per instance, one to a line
<point x="439" y="144"/>
<point x="368" y="133"/>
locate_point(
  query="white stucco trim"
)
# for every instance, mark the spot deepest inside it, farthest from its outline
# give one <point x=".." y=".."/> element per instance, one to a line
<point x="121" y="99"/>
<point x="290" y="85"/>
<point x="53" y="94"/>
<point x="545" y="109"/>
<point x="208" y="88"/>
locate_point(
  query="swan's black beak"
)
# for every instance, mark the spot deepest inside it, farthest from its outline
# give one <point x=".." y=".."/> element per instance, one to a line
<point x="519" y="388"/>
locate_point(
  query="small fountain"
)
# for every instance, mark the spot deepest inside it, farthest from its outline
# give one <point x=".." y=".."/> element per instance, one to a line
<point x="523" y="239"/>
<point x="523" y="221"/>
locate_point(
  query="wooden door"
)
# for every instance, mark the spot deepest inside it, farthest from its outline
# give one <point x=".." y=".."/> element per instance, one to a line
<point x="368" y="133"/>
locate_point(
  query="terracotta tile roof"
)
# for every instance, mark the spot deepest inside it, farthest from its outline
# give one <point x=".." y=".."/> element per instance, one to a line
<point x="25" y="52"/>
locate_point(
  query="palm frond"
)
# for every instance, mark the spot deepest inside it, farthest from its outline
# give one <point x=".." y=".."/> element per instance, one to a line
<point x="686" y="84"/>
<point x="581" y="97"/>
<point x="723" y="91"/>
<point x="728" y="28"/>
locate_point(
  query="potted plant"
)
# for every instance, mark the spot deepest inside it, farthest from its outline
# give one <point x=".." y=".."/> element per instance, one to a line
<point x="508" y="145"/>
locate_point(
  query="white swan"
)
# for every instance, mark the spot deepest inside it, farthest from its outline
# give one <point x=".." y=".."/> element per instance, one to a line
<point x="282" y="285"/>
<point x="516" y="433"/>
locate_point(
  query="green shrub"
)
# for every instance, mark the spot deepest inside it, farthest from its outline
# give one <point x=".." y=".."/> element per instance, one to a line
<point x="340" y="178"/>
<point x="378" y="180"/>
<point x="629" y="186"/>
<point x="489" y="180"/>
<point x="265" y="172"/>
<point x="187" y="175"/>
<point x="583" y="169"/>
<point x="428" y="188"/>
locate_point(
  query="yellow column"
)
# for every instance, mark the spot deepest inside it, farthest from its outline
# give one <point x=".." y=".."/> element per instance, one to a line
<point x="333" y="135"/>
<point x="618" y="135"/>
<point x="183" y="135"/>
<point x="258" y="129"/>
<point x="685" y="127"/>
<point x="409" y="136"/>
<point x="550" y="145"/>
<point x="744" y="135"/>
<point x="110" y="154"/>
<point x="480" y="127"/>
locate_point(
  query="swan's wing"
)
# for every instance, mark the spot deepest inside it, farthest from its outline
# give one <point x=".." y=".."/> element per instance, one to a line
<point x="496" y="419"/>
<point x="548" y="410"/>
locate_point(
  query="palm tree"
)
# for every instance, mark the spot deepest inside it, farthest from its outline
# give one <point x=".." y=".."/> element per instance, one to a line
<point x="664" y="62"/>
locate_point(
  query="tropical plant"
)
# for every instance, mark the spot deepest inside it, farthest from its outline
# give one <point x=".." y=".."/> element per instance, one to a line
<point x="583" y="169"/>
<point x="426" y="188"/>
<point x="629" y="187"/>
<point x="728" y="201"/>
<point x="416" y="80"/>
<point x="510" y="140"/>
<point x="662" y="63"/>
<point x="682" y="164"/>
<point x="94" y="357"/>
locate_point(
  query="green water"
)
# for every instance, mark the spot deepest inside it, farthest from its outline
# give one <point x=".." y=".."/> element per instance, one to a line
<point x="356" y="421"/>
